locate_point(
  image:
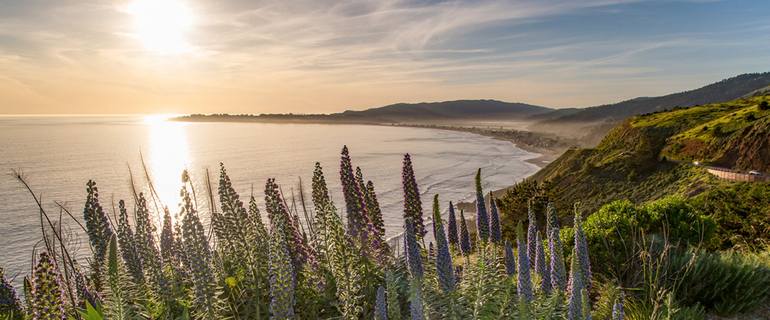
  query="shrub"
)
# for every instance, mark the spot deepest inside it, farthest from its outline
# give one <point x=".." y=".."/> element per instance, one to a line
<point x="727" y="283"/>
<point x="763" y="105"/>
<point x="740" y="212"/>
<point x="613" y="231"/>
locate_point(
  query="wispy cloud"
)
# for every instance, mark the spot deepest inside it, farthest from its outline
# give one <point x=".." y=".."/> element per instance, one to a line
<point x="306" y="56"/>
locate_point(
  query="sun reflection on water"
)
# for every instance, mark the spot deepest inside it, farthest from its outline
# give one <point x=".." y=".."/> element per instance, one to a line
<point x="168" y="157"/>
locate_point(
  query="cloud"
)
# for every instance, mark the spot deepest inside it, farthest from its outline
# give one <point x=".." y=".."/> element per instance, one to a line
<point x="309" y="56"/>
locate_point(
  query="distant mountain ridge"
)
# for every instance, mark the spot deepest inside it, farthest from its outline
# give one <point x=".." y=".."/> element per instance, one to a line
<point x="595" y="122"/>
<point x="446" y="110"/>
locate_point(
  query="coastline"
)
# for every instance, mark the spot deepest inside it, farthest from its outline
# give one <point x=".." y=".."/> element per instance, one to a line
<point x="547" y="147"/>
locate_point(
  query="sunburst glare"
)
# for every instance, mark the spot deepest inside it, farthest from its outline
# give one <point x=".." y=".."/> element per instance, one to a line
<point x="162" y="25"/>
<point x="168" y="157"/>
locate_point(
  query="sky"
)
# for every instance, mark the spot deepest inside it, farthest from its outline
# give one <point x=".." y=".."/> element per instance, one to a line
<point x="319" y="56"/>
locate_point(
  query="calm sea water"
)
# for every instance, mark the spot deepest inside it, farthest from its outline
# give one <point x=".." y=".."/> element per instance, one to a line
<point x="58" y="155"/>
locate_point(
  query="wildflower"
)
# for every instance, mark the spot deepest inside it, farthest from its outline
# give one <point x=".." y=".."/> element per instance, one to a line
<point x="392" y="285"/>
<point x="47" y="295"/>
<point x="281" y="220"/>
<point x="354" y="200"/>
<point x="128" y="245"/>
<point x="524" y="284"/>
<point x="9" y="301"/>
<point x="581" y="247"/>
<point x="495" y="234"/>
<point x="415" y="300"/>
<point x="99" y="231"/>
<point x="510" y="259"/>
<point x="541" y="266"/>
<point x="558" y="270"/>
<point x="198" y="253"/>
<point x="380" y="305"/>
<point x="282" y="277"/>
<point x="167" y="238"/>
<point x="531" y="232"/>
<point x="344" y="262"/>
<point x="452" y="227"/>
<point x="321" y="201"/>
<point x="146" y="245"/>
<point x="412" y="202"/>
<point x="413" y="257"/>
<point x="374" y="209"/>
<point x="552" y="220"/>
<point x="465" y="238"/>
<point x="482" y="218"/>
<point x="617" y="308"/>
<point x="575" y="304"/>
<point x="444" y="268"/>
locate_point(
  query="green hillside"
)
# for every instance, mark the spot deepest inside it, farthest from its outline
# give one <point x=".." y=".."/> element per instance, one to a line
<point x="650" y="156"/>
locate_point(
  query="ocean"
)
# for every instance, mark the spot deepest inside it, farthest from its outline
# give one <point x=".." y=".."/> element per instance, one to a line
<point x="57" y="155"/>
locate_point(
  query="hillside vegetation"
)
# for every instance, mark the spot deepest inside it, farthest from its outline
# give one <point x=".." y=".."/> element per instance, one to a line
<point x="649" y="156"/>
<point x="595" y="122"/>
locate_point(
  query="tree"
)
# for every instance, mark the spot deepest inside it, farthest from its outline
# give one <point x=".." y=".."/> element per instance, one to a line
<point x="763" y="105"/>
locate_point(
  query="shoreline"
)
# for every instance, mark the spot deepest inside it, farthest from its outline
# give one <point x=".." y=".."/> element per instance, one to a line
<point x="547" y="147"/>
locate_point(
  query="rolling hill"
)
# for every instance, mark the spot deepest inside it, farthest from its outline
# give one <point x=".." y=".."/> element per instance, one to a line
<point x="446" y="110"/>
<point x="649" y="156"/>
<point x="595" y="122"/>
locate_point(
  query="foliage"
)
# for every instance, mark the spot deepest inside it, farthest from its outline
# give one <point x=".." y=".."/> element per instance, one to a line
<point x="740" y="212"/>
<point x="612" y="232"/>
<point x="290" y="268"/>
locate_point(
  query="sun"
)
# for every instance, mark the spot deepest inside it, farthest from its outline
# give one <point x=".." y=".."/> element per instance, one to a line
<point x="162" y="25"/>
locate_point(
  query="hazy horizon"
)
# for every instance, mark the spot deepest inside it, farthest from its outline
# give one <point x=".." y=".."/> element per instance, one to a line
<point x="191" y="56"/>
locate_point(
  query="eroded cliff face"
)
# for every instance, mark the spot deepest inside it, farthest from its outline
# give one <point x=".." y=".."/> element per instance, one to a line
<point x="749" y="149"/>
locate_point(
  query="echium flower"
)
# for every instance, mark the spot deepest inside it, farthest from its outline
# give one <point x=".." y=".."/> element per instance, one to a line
<point x="380" y="305"/>
<point x="146" y="245"/>
<point x="167" y="238"/>
<point x="321" y="201"/>
<point x="373" y="218"/>
<point x="510" y="259"/>
<point x="282" y="277"/>
<point x="392" y="286"/>
<point x="259" y="231"/>
<point x="552" y="220"/>
<point x="558" y="269"/>
<point x="465" y="238"/>
<point x="524" y="280"/>
<point x="344" y="262"/>
<point x="541" y="265"/>
<point x="415" y="301"/>
<point x="444" y="266"/>
<point x="47" y="292"/>
<point x="85" y="293"/>
<point x="531" y="231"/>
<point x="196" y="247"/>
<point x="581" y="247"/>
<point x="412" y="202"/>
<point x="375" y="213"/>
<point x="495" y="233"/>
<point x="575" y="304"/>
<point x="617" y="308"/>
<point x="235" y="216"/>
<point x="9" y="301"/>
<point x="99" y="231"/>
<point x="128" y="245"/>
<point x="452" y="236"/>
<point x="281" y="220"/>
<point x="354" y="200"/>
<point x="413" y="256"/>
<point x="482" y="217"/>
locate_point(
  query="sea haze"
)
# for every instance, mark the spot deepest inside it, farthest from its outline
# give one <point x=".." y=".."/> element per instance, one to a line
<point x="58" y="155"/>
